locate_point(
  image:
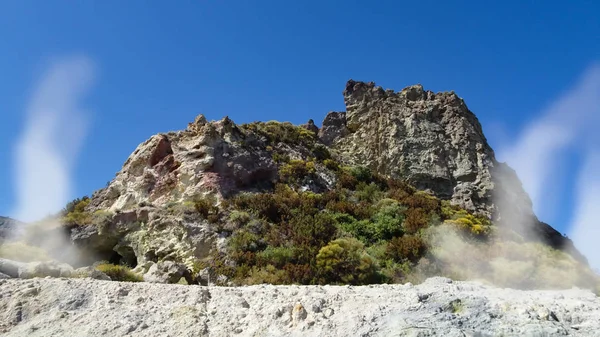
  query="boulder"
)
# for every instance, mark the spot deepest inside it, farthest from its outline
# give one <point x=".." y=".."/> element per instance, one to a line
<point x="23" y="270"/>
<point x="10" y="268"/>
<point x="165" y="272"/>
<point x="44" y="269"/>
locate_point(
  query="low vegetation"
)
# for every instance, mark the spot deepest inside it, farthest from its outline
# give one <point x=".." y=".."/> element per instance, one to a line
<point x="360" y="228"/>
<point x="119" y="272"/>
<point x="367" y="229"/>
<point x="75" y="212"/>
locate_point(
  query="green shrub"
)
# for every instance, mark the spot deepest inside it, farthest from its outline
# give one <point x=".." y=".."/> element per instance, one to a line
<point x="296" y="170"/>
<point x="422" y="200"/>
<point x="345" y="261"/>
<point x="75" y="212"/>
<point x="206" y="207"/>
<point x="321" y="152"/>
<point x="239" y="218"/>
<point x="368" y="192"/>
<point x="267" y="275"/>
<point x="281" y="158"/>
<point x="261" y="204"/>
<point x="181" y="208"/>
<point x="119" y="273"/>
<point x="383" y="225"/>
<point x="476" y="226"/>
<point x="406" y="248"/>
<point x="362" y="174"/>
<point x="416" y="219"/>
<point x="244" y="241"/>
<point x="76" y="205"/>
<point x="346" y="180"/>
<point x="277" y="132"/>
<point x="276" y="256"/>
<point x="331" y="164"/>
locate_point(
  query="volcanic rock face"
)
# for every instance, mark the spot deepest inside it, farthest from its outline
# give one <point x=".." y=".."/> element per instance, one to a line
<point x="430" y="139"/>
<point x="207" y="158"/>
<point x="435" y="142"/>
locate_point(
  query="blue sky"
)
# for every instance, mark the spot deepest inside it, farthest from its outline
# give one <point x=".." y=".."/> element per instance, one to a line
<point x="158" y="64"/>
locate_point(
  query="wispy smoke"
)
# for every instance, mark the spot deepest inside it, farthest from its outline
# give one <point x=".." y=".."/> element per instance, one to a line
<point x="585" y="229"/>
<point x="539" y="152"/>
<point x="502" y="262"/>
<point x="54" y="130"/>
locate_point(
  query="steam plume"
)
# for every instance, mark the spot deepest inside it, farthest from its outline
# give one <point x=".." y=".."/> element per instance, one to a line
<point x="568" y="124"/>
<point x="54" y="130"/>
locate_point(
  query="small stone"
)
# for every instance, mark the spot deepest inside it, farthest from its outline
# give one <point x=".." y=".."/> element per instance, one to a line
<point x="299" y="313"/>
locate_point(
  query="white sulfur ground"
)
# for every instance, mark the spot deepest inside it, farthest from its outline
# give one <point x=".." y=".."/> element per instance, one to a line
<point x="438" y="307"/>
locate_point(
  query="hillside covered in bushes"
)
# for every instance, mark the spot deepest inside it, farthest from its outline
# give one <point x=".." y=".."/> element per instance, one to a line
<point x="400" y="187"/>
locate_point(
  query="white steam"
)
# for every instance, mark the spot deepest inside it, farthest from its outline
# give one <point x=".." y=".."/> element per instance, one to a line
<point x="54" y="130"/>
<point x="585" y="229"/>
<point x="569" y="124"/>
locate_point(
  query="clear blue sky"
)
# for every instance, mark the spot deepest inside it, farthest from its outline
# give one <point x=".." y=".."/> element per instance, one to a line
<point x="162" y="62"/>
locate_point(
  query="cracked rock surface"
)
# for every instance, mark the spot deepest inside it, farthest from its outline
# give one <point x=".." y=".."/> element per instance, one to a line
<point x="438" y="307"/>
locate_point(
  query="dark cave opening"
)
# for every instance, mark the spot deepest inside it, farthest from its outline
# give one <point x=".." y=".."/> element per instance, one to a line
<point x="123" y="256"/>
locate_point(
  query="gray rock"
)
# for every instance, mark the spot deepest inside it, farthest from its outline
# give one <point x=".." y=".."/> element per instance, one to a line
<point x="333" y="128"/>
<point x="4" y="276"/>
<point x="35" y="269"/>
<point x="44" y="269"/>
<point x="203" y="277"/>
<point x="165" y="272"/>
<point x="10" y="268"/>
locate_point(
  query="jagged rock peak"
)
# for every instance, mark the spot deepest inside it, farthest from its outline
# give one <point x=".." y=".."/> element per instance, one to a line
<point x="333" y="127"/>
<point x="310" y="126"/>
<point x="199" y="122"/>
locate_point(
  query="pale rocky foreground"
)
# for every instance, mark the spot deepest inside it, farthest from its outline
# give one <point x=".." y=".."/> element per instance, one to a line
<point x="439" y="307"/>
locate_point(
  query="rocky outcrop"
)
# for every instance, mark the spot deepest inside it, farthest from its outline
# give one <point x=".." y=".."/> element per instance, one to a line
<point x="438" y="307"/>
<point x="333" y="128"/>
<point x="206" y="159"/>
<point x="435" y="142"/>
<point x="145" y="234"/>
<point x="430" y="139"/>
<point x="310" y="126"/>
